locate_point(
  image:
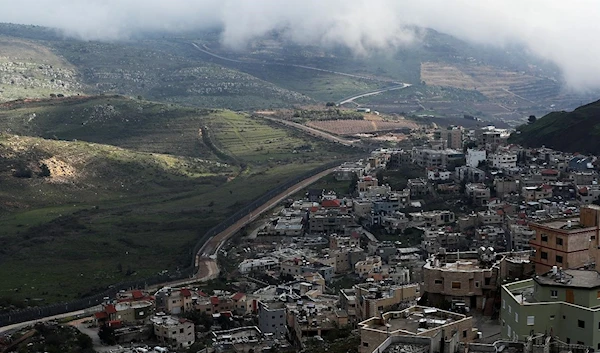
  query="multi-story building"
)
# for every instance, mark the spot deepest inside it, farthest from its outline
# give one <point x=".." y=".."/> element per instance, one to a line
<point x="562" y="303"/>
<point x="452" y="135"/>
<point x="505" y="186"/>
<point x="470" y="279"/>
<point x="431" y="218"/>
<point x="415" y="321"/>
<point x="174" y="331"/>
<point x="272" y="318"/>
<point x="370" y="264"/>
<point x="418" y="187"/>
<point x="366" y="182"/>
<point x="470" y="174"/>
<point x="374" y="298"/>
<point x="342" y="241"/>
<point x="536" y="193"/>
<point x="302" y="266"/>
<point x="474" y="157"/>
<point x="504" y="160"/>
<point x="328" y="221"/>
<point x="520" y="236"/>
<point x="565" y="243"/>
<point x="437" y="174"/>
<point x="478" y="193"/>
<point x="173" y="300"/>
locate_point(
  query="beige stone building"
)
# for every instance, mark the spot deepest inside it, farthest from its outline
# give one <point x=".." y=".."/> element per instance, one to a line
<point x="173" y="300"/>
<point x="471" y="279"/>
<point x="414" y="321"/>
<point x="370" y="264"/>
<point x="567" y="243"/>
<point x="173" y="331"/>
<point x="370" y="299"/>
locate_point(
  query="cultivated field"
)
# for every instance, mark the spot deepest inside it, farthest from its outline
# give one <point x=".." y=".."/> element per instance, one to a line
<point x="351" y="127"/>
<point x="492" y="82"/>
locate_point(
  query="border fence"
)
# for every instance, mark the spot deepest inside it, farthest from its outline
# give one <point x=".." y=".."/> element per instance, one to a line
<point x="33" y="313"/>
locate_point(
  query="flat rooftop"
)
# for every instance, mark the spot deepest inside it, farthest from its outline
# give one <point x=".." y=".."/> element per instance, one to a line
<point x="562" y="223"/>
<point x="570" y="278"/>
<point x="413" y="320"/>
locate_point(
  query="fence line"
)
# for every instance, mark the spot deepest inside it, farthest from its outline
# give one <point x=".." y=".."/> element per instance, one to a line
<point x="33" y="313"/>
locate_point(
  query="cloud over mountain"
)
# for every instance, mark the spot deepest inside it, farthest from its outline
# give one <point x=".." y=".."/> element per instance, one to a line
<point x="561" y="31"/>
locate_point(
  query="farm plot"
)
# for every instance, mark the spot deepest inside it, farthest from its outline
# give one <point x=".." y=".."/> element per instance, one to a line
<point x="492" y="82"/>
<point x="351" y="127"/>
<point x="256" y="141"/>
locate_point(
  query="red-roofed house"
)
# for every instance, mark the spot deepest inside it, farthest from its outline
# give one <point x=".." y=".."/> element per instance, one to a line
<point x="126" y="312"/>
<point x="173" y="300"/>
<point x="327" y="203"/>
<point x="240" y="303"/>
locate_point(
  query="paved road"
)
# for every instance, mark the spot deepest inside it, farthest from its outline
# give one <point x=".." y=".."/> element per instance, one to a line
<point x="207" y="265"/>
<point x="314" y="132"/>
<point x="372" y="93"/>
<point x="206" y="50"/>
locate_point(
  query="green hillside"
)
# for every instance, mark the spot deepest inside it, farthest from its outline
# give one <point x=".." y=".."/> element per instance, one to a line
<point x="101" y="189"/>
<point x="576" y="131"/>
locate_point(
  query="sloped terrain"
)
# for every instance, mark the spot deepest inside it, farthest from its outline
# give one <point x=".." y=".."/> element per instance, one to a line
<point x="576" y="131"/>
<point x="28" y="69"/>
<point x="101" y="189"/>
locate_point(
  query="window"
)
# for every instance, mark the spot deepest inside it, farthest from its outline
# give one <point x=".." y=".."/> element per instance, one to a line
<point x="455" y="285"/>
<point x="580" y="323"/>
<point x="552" y="318"/>
<point x="516" y="317"/>
<point x="509" y="330"/>
<point x="503" y="303"/>
<point x="598" y="294"/>
<point x="365" y="344"/>
<point x="544" y="238"/>
<point x="476" y="284"/>
<point x="509" y="309"/>
<point x="554" y="293"/>
<point x="464" y="333"/>
<point x="438" y="281"/>
<point x="487" y="281"/>
<point x="559" y="259"/>
<point x="568" y="340"/>
<point x="180" y="330"/>
<point x="544" y="255"/>
<point x="559" y="241"/>
<point x="530" y="320"/>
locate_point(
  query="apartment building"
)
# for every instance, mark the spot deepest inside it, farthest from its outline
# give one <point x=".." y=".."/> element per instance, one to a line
<point x="565" y="242"/>
<point x="564" y="303"/>
<point x="173" y="331"/>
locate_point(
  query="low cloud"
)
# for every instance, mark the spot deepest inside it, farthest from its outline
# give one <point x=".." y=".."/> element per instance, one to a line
<point x="563" y="32"/>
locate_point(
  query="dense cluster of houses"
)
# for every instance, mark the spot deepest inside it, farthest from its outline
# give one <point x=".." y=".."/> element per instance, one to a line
<point x="507" y="221"/>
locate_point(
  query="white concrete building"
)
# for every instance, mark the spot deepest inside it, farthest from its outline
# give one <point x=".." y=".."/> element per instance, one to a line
<point x="504" y="160"/>
<point x="475" y="156"/>
<point x="261" y="264"/>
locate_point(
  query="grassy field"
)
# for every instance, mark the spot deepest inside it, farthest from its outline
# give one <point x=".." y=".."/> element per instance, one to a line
<point x="132" y="206"/>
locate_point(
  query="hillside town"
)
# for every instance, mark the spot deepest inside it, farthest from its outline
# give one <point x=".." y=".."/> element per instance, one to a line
<point x="485" y="247"/>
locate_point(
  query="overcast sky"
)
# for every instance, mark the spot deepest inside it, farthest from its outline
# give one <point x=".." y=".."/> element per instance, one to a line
<point x="562" y="31"/>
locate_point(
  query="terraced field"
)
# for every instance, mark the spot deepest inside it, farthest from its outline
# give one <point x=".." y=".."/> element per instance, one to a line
<point x="255" y="141"/>
<point x="351" y="127"/>
<point x="135" y="204"/>
<point x="492" y="82"/>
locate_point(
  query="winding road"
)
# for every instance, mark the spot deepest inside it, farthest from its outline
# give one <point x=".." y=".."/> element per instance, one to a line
<point x="372" y="93"/>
